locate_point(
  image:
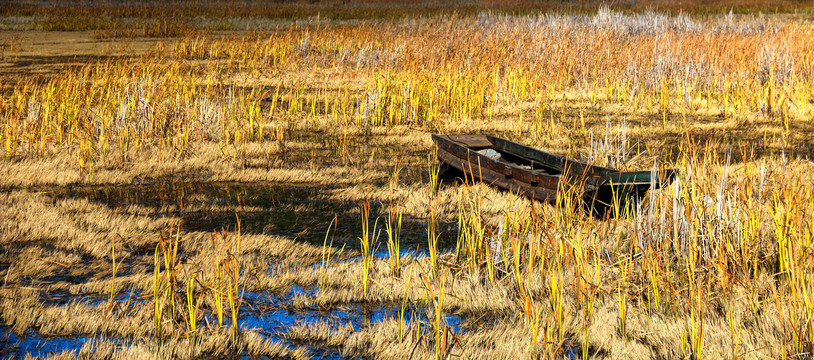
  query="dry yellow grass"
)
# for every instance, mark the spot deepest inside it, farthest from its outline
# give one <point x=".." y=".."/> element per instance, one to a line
<point x="717" y="265"/>
<point x="55" y="240"/>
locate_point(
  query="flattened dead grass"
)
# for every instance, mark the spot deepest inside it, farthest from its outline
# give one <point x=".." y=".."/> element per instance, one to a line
<point x="216" y="345"/>
<point x="58" y="276"/>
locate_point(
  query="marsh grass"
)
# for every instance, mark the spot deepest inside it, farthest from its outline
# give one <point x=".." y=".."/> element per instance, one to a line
<point x="649" y="73"/>
<point x="545" y="302"/>
<point x="393" y="229"/>
<point x="369" y="238"/>
<point x="717" y="265"/>
<point x="152" y="256"/>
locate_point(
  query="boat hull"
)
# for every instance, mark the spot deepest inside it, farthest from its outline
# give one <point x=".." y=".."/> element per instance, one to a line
<point x="540" y="175"/>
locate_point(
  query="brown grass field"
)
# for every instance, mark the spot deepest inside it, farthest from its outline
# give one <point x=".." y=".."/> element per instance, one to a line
<point x="171" y="170"/>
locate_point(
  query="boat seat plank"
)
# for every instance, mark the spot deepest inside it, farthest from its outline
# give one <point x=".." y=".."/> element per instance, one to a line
<point x="470" y="141"/>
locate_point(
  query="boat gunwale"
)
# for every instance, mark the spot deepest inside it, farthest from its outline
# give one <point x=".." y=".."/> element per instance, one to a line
<point x="593" y="175"/>
<point x="492" y="176"/>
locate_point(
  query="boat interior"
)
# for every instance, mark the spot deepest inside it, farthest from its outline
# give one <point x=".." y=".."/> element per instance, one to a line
<point x="517" y="160"/>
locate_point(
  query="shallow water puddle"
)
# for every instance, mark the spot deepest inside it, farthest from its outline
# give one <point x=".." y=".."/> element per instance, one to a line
<point x="270" y="314"/>
<point x="300" y="212"/>
<point x="36" y="346"/>
<point x="266" y="313"/>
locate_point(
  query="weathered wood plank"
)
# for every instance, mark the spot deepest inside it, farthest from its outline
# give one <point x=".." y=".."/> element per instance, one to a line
<point x="471" y="141"/>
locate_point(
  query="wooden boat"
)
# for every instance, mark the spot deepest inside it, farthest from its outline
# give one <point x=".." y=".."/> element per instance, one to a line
<point x="538" y="174"/>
